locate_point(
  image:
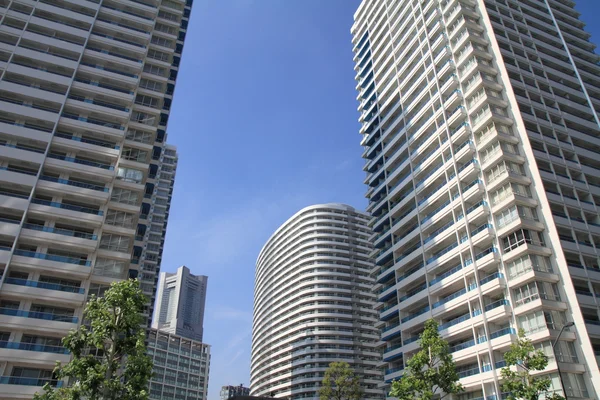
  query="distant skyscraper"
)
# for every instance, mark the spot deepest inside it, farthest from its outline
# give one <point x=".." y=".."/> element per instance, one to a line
<point x="313" y="304"/>
<point x="482" y="144"/>
<point x="180" y="305"/>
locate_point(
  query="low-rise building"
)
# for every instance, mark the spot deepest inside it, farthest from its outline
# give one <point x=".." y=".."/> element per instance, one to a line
<point x="181" y="367"/>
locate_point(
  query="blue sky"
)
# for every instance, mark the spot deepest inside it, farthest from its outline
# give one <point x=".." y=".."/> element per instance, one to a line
<point x="265" y="122"/>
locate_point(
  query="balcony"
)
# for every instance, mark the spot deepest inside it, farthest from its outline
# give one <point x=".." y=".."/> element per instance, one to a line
<point x="51" y="257"/>
<point x="82" y="161"/>
<point x="445" y="274"/>
<point x="33" y="347"/>
<point x="415" y="314"/>
<point x="85" y="210"/>
<point x="39" y="315"/>
<point x="92" y="124"/>
<point x="45" y="285"/>
<point x="83" y="185"/>
<point x="15" y="380"/>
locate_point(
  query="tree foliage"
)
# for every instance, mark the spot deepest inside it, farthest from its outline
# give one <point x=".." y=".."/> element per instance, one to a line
<point x="518" y="381"/>
<point x="109" y="355"/>
<point x="430" y="372"/>
<point x="340" y="383"/>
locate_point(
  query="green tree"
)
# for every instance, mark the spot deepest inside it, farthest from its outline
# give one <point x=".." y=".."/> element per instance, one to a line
<point x="340" y="383"/>
<point x="430" y="372"/>
<point x="109" y="357"/>
<point x="518" y="381"/>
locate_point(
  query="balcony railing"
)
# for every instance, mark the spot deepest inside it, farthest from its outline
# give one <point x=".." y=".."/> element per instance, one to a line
<point x="66" y="232"/>
<point x="17" y="380"/>
<point x="39" y="315"/>
<point x="389" y="327"/>
<point x="415" y="314"/>
<point x="102" y="85"/>
<point x="495" y="275"/>
<point x="445" y="274"/>
<point x="74" y="183"/>
<point x="52" y="257"/>
<point x="93" y="121"/>
<point x="82" y="162"/>
<point x="33" y="347"/>
<point x="455" y="321"/>
<point x="45" y="285"/>
<point x="67" y="207"/>
<point x="392" y="370"/>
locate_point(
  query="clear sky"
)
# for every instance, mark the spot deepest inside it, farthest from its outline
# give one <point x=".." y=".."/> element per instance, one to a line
<point x="265" y="122"/>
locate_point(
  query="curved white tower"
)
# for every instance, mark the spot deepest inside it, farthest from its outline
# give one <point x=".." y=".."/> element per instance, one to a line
<point x="313" y="304"/>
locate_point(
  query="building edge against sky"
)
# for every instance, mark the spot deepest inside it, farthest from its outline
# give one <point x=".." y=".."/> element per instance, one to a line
<point x="313" y="304"/>
<point x="481" y="135"/>
<point x="85" y="94"/>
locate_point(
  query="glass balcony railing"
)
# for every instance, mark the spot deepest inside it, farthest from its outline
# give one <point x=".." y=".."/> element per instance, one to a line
<point x="67" y="206"/>
<point x="415" y="314"/>
<point x="496" y="304"/>
<point x="89" y="141"/>
<point x="502" y="332"/>
<point x="83" y="162"/>
<point x="392" y="348"/>
<point x="17" y="380"/>
<point x="94" y="121"/>
<point x="103" y="86"/>
<point x="408" y="252"/>
<point x="449" y="298"/>
<point x="437" y="232"/>
<point x="489" y="278"/>
<point x="445" y="274"/>
<point x="66" y="232"/>
<point x="33" y="347"/>
<point x="389" y="327"/>
<point x="410" y="272"/>
<point x="393" y="370"/>
<point x="439" y="254"/>
<point x="472" y="208"/>
<point x="52" y="257"/>
<point x="39" y="315"/>
<point x="469" y="372"/>
<point x="455" y="321"/>
<point x="74" y="183"/>
<point x="45" y="285"/>
<point x="412" y="293"/>
<point x="410" y="340"/>
<point x="434" y="212"/>
<point x="462" y="346"/>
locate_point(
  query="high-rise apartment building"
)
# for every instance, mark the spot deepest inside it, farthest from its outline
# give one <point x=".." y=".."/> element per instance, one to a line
<point x="85" y="92"/>
<point x="482" y="146"/>
<point x="180" y="367"/>
<point x="154" y="216"/>
<point x="313" y="304"/>
<point x="180" y="305"/>
<point x="229" y="391"/>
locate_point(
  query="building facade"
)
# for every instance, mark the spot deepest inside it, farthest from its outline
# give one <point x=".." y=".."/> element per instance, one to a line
<point x="227" y="392"/>
<point x="154" y="216"/>
<point x="85" y="93"/>
<point x="180" y="304"/>
<point x="313" y="304"/>
<point x="482" y="139"/>
<point x="181" y="367"/>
